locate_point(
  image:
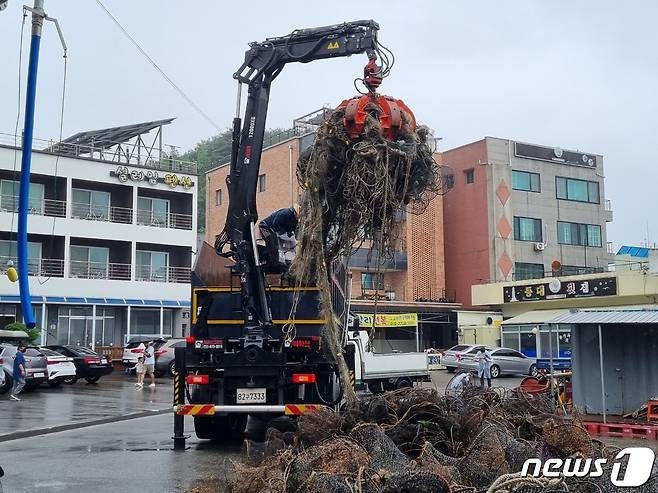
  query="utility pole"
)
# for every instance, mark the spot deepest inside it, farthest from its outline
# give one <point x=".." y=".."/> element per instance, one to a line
<point x="38" y="16"/>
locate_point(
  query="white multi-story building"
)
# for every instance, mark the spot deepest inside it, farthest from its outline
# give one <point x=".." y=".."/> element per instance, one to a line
<point x="111" y="229"/>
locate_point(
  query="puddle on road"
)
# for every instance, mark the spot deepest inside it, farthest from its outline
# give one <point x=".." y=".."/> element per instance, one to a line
<point x="165" y="446"/>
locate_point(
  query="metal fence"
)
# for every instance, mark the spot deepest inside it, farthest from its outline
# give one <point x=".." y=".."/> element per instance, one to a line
<point x="99" y="270"/>
<point x="162" y="274"/>
<point x="168" y="220"/>
<point x="120" y="152"/>
<point x="42" y="267"/>
<point x="43" y="207"/>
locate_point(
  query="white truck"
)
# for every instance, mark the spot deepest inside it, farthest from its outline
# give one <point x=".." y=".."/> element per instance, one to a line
<point x="383" y="371"/>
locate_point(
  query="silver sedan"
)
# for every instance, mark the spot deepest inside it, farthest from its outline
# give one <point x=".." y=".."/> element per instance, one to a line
<point x="505" y="361"/>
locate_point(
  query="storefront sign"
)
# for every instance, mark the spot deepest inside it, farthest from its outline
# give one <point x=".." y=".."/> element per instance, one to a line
<point x="387" y="320"/>
<point x="124" y="174"/>
<point x="555" y="155"/>
<point x="556" y="289"/>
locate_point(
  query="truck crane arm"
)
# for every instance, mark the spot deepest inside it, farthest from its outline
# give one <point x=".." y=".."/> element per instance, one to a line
<point x="263" y="62"/>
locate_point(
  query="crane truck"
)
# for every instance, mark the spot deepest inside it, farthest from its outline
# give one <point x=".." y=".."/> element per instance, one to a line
<point x="256" y="346"/>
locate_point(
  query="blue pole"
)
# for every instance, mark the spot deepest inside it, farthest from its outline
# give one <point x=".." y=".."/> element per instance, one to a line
<point x="26" y="162"/>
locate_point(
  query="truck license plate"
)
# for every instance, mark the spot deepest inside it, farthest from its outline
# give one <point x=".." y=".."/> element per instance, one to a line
<point x="251" y="396"/>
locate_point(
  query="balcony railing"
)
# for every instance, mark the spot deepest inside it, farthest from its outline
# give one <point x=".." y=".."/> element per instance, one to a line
<point x="168" y="220"/>
<point x="42" y="267"/>
<point x="99" y="270"/>
<point x="44" y="207"/>
<point x="101" y="213"/>
<point x="117" y="152"/>
<point x="149" y="273"/>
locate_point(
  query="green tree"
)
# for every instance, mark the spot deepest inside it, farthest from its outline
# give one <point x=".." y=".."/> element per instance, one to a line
<point x="33" y="334"/>
<point x="215" y="151"/>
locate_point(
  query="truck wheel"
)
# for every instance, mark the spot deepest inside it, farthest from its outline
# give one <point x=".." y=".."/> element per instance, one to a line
<point x="403" y="383"/>
<point x="204" y="427"/>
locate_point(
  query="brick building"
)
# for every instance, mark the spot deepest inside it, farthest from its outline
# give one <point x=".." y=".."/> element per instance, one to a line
<point x="522" y="211"/>
<point x="413" y="280"/>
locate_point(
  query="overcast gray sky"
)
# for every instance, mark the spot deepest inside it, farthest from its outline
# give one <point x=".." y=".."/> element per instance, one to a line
<point x="579" y="75"/>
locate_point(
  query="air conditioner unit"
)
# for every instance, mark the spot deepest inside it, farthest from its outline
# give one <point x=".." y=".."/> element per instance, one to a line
<point x="540" y="247"/>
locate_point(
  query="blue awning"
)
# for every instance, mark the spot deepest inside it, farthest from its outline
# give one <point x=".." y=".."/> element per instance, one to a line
<point x="76" y="300"/>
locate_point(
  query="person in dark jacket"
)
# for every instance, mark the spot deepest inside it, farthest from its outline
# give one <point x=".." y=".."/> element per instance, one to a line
<point x="19" y="373"/>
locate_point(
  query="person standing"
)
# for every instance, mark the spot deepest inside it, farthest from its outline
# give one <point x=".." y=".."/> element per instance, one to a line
<point x="19" y="373"/>
<point x="149" y="361"/>
<point x="483" y="359"/>
<point x="140" y="371"/>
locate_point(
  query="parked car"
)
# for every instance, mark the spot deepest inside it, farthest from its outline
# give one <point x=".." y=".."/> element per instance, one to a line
<point x="164" y="357"/>
<point x="451" y="357"/>
<point x="35" y="366"/>
<point x="60" y="367"/>
<point x="136" y="346"/>
<point x="88" y="364"/>
<point x="505" y="362"/>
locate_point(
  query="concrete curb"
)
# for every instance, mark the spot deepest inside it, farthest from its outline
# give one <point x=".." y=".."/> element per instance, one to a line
<point x="84" y="424"/>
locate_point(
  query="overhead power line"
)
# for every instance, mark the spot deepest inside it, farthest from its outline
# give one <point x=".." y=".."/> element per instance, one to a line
<point x="157" y="67"/>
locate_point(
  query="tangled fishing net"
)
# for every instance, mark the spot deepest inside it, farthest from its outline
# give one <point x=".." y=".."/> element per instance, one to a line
<point x="416" y="440"/>
<point x="355" y="187"/>
<point x="354" y="190"/>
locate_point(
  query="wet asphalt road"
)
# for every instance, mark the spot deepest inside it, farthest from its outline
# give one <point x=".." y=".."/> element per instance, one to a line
<point x="131" y="453"/>
<point x="126" y="456"/>
<point x="113" y="396"/>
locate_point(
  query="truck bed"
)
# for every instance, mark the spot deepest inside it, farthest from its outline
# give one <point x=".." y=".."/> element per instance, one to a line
<point x="394" y="364"/>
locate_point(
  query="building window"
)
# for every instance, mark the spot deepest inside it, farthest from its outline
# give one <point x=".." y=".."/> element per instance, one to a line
<point x="9" y="250"/>
<point x="450" y="181"/>
<point x="9" y="197"/>
<point x="527" y="229"/>
<point x="89" y="262"/>
<point x="262" y="183"/>
<point x="525" y="181"/>
<point x="152" y="212"/>
<point x="90" y="204"/>
<point x="577" y="190"/>
<point x="146" y="321"/>
<point x="151" y="266"/>
<point x="372" y="280"/>
<point x="579" y="234"/>
<point x="218" y="197"/>
<point x="524" y="270"/>
<point x="470" y="175"/>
